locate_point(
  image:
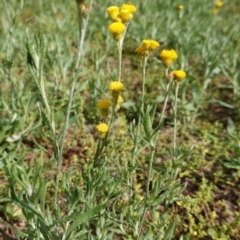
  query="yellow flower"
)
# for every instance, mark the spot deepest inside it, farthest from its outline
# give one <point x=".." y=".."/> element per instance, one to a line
<point x="219" y="4"/>
<point x="113" y="12"/>
<point x="120" y="100"/>
<point x="126" y="12"/>
<point x="103" y="106"/>
<point x="146" y="44"/>
<point x="178" y="75"/>
<point x="147" y="47"/>
<point x="150" y="44"/>
<point x="141" y="51"/>
<point x="168" y="57"/>
<point x="129" y="7"/>
<point x="102" y="130"/>
<point x="125" y="16"/>
<point x="180" y="7"/>
<point x="117" y="29"/>
<point x="154" y="45"/>
<point x="115" y="87"/>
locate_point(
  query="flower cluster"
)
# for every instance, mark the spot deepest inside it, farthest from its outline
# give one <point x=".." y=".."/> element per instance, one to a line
<point x="120" y="16"/>
<point x="104" y="105"/>
<point x="147" y="47"/>
<point x="168" y="57"/>
<point x="218" y="5"/>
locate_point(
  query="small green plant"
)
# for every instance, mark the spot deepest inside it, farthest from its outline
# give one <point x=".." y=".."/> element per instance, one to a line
<point x="105" y="139"/>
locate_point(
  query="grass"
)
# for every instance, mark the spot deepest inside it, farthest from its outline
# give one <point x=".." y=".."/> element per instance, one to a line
<point x="197" y="197"/>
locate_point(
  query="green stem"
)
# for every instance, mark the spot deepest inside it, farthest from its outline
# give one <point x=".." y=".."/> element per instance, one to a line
<point x="144" y="82"/>
<point x="163" y="110"/>
<point x="136" y="139"/>
<point x="120" y="47"/>
<point x="83" y="22"/>
<point x="153" y="150"/>
<point x="147" y="190"/>
<point x="175" y="124"/>
<point x="119" y="44"/>
<point x="165" y="101"/>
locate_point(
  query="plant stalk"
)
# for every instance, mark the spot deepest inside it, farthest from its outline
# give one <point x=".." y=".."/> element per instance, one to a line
<point x="175" y="124"/>
<point x="83" y="22"/>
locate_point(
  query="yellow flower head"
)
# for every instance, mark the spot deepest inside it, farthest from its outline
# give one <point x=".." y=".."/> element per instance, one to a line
<point x="141" y="51"/>
<point x="102" y="130"/>
<point x="180" y="7"/>
<point x="115" y="87"/>
<point x="125" y="16"/>
<point x="154" y="45"/>
<point x="178" y="75"/>
<point x="120" y="100"/>
<point x="150" y="44"/>
<point x="146" y="43"/>
<point x="117" y="29"/>
<point x="219" y="4"/>
<point x="168" y="57"/>
<point x="147" y="47"/>
<point x="113" y="12"/>
<point x="126" y="12"/>
<point x="129" y="7"/>
<point x="103" y="106"/>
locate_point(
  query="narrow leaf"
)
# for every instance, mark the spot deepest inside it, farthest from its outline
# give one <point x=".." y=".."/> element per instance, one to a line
<point x="83" y="217"/>
<point x="170" y="231"/>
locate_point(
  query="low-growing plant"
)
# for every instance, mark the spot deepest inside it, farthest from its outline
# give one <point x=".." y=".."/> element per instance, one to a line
<point x="105" y="146"/>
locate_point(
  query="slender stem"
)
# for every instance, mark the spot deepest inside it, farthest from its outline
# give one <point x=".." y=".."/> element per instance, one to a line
<point x="83" y="22"/>
<point x="144" y="81"/>
<point x="163" y="110"/>
<point x="147" y="189"/>
<point x="7" y="13"/>
<point x="82" y="30"/>
<point x="120" y="47"/>
<point x="97" y="153"/>
<point x="45" y="100"/>
<point x="153" y="150"/>
<point x="165" y="100"/>
<point x="119" y="44"/>
<point x="136" y="139"/>
<point x="39" y="73"/>
<point x="175" y="123"/>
